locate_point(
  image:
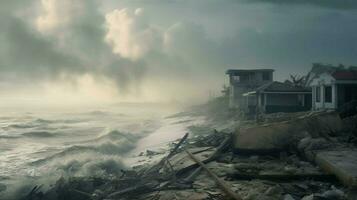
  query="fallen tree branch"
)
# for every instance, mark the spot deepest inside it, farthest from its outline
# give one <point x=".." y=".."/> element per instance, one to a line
<point x="219" y="181"/>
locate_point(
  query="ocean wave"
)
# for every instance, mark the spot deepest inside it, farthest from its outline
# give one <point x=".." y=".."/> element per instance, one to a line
<point x="97" y="112"/>
<point x="9" y="136"/>
<point x="64" y="121"/>
<point x="118" y="135"/>
<point x="21" y="126"/>
<point x="41" y="134"/>
<point x="112" y="143"/>
<point x="99" y="167"/>
<point x="43" y="121"/>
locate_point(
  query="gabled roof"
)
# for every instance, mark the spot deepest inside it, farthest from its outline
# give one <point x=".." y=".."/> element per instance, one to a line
<point x="345" y="75"/>
<point x="238" y="71"/>
<point x="281" y="87"/>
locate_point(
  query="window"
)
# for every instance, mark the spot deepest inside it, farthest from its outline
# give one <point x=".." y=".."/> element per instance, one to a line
<point x="328" y="94"/>
<point x="236" y="78"/>
<point x="266" y="76"/>
<point x="318" y="94"/>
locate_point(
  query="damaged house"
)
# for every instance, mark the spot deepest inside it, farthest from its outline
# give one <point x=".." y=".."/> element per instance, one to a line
<point x="279" y="97"/>
<point x="242" y="81"/>
<point x="255" y="91"/>
<point x="331" y="90"/>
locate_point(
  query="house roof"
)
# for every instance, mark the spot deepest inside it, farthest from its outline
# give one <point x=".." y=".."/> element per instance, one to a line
<point x="279" y="87"/>
<point x="237" y="71"/>
<point x="345" y="75"/>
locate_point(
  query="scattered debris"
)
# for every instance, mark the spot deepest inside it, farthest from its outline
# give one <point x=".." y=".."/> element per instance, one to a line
<point x="309" y="162"/>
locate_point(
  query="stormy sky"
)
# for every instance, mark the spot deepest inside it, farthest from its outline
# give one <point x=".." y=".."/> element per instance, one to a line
<point x="162" y="50"/>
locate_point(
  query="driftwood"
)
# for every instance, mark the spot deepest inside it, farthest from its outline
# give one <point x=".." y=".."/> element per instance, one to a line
<point x="83" y="193"/>
<point x="219" y="181"/>
<point x="35" y="193"/>
<point x="158" y="166"/>
<point x="219" y="150"/>
<point x="284" y="177"/>
<point x="142" y="187"/>
<point x="146" y="181"/>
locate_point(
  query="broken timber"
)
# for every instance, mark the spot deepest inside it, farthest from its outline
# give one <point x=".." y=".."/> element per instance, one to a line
<point x="219" y="182"/>
<point x="284" y="177"/>
<point x="219" y="150"/>
<point x="158" y="166"/>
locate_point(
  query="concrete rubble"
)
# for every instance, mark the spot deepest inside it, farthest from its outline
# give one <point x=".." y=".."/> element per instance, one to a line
<point x="311" y="156"/>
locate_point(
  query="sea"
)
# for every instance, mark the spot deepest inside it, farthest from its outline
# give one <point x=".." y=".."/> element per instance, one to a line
<point x="38" y="145"/>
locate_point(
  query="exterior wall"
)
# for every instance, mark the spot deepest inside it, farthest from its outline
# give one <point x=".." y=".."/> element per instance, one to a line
<point x="285" y="103"/>
<point x="323" y="81"/>
<point x="236" y="98"/>
<point x="330" y="105"/>
<point x="248" y="81"/>
<point x="282" y="99"/>
<point x="346" y="93"/>
<point x="323" y="104"/>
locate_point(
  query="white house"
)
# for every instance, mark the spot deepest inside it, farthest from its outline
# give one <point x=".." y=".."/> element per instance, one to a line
<point x="332" y="90"/>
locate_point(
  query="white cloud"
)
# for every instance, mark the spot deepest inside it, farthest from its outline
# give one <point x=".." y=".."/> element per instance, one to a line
<point x="57" y="14"/>
<point x="130" y="35"/>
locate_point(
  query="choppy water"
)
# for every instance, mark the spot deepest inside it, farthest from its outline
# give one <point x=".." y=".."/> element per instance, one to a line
<point x="42" y="144"/>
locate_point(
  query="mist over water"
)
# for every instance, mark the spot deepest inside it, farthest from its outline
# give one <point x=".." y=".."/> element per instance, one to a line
<point x="37" y="146"/>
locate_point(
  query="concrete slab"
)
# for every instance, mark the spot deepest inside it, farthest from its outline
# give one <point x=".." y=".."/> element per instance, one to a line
<point x="267" y="138"/>
<point x="341" y="163"/>
<point x="277" y="136"/>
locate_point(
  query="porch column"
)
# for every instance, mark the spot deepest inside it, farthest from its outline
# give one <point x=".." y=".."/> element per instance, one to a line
<point x="322" y="96"/>
<point x="259" y="100"/>
<point x="335" y="95"/>
<point x="265" y="101"/>
<point x="313" y="96"/>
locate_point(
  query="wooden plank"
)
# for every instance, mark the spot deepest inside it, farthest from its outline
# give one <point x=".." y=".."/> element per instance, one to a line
<point x="219" y="181"/>
<point x="155" y="168"/>
<point x="284" y="177"/>
<point x="219" y="150"/>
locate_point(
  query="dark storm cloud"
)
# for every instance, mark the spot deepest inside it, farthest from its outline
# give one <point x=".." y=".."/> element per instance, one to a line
<point x="172" y="42"/>
<point x="64" y="50"/>
<point x="23" y="51"/>
<point x="334" y="4"/>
